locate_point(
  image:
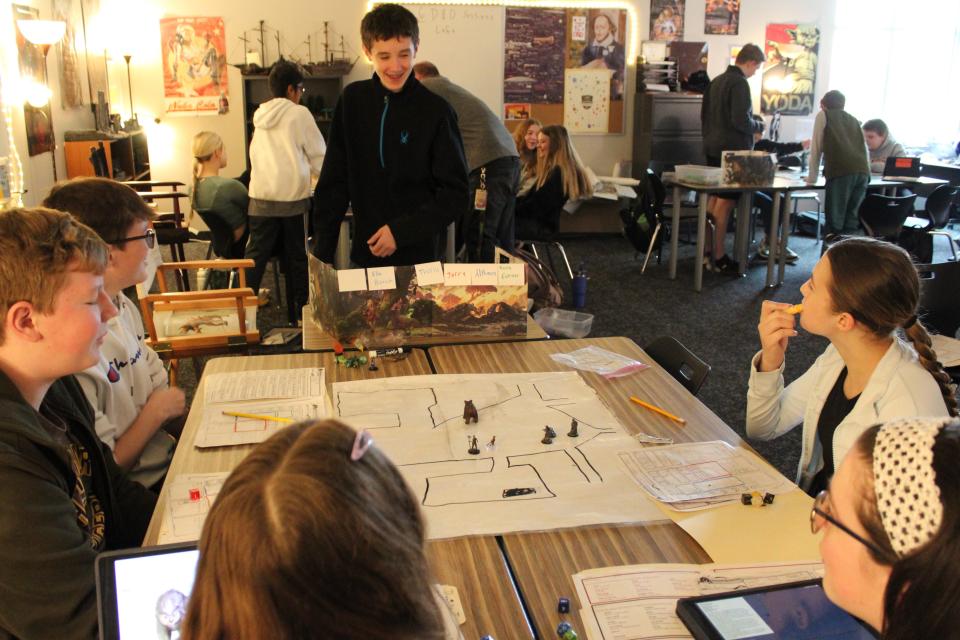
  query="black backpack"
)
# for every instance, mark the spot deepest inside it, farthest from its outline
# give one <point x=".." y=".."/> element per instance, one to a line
<point x="640" y="219"/>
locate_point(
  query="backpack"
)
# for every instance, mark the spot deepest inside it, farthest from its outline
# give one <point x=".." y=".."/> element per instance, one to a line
<point x="543" y="287"/>
<point x="640" y="218"/>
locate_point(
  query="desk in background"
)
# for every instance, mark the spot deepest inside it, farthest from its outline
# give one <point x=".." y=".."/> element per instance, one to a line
<point x="473" y="565"/>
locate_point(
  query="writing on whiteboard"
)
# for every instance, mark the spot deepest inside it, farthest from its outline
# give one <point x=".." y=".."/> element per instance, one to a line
<point x="446" y="20"/>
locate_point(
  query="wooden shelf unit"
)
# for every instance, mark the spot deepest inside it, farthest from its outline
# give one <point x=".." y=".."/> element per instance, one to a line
<point x="128" y="157"/>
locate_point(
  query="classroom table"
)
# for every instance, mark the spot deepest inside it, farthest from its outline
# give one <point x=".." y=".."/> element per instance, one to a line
<point x="315" y="339"/>
<point x="473" y="565"/>
<point x="703" y="192"/>
<point x="543" y="562"/>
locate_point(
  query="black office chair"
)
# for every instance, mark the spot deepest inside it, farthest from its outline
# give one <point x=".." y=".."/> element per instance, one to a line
<point x="936" y="215"/>
<point x="662" y="208"/>
<point x="684" y="365"/>
<point x="939" y="284"/>
<point x="883" y="216"/>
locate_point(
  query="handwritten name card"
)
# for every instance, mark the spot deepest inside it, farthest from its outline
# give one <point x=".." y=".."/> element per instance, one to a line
<point x="456" y="275"/>
<point x="380" y="278"/>
<point x="429" y="273"/>
<point x="483" y="274"/>
<point x="511" y="275"/>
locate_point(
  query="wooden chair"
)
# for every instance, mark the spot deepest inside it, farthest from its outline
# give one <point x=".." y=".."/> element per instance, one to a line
<point x="172" y="230"/>
<point x="183" y="324"/>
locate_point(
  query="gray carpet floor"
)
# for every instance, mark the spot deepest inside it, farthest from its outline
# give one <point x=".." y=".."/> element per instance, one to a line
<point x="717" y="323"/>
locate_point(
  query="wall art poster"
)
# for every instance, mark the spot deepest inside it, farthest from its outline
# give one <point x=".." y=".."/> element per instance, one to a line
<point x="534" y="42"/>
<point x="791" y="69"/>
<point x="666" y="20"/>
<point x="71" y="93"/>
<point x="194" y="57"/>
<point x="586" y="104"/>
<point x="722" y="17"/>
<point x="602" y="45"/>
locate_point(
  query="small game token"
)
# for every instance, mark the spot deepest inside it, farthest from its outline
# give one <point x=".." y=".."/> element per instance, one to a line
<point x="194" y="494"/>
<point x="565" y="631"/>
<point x="563" y="605"/>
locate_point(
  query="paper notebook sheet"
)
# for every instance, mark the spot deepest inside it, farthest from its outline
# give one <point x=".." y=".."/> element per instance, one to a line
<point x="289" y="394"/>
<point x="698" y="475"/>
<point x="638" y="602"/>
<point x="517" y="483"/>
<point x="189" y="499"/>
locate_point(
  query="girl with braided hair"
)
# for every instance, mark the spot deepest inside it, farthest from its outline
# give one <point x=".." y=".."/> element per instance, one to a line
<point x="862" y="296"/>
<point x="891" y="529"/>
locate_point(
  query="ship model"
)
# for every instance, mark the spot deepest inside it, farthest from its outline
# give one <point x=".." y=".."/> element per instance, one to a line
<point x="335" y="62"/>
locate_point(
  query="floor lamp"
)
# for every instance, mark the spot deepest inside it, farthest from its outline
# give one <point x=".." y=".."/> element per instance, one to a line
<point x="43" y="34"/>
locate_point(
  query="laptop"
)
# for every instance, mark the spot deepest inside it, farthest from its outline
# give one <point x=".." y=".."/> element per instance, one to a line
<point x="902" y="168"/>
<point x="143" y="593"/>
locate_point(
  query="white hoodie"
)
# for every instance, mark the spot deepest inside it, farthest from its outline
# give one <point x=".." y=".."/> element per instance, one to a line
<point x="286" y="148"/>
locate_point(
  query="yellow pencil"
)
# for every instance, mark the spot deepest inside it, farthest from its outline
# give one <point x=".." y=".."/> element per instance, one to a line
<point x="794" y="310"/>
<point x="665" y="414"/>
<point x="255" y="416"/>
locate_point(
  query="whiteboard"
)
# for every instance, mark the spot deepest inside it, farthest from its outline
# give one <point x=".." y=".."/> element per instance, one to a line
<point x="466" y="44"/>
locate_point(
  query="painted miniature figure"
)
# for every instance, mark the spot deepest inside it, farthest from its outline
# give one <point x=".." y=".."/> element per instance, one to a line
<point x="474" y="447"/>
<point x="470" y="411"/>
<point x="548" y="435"/>
<point x="574" y="425"/>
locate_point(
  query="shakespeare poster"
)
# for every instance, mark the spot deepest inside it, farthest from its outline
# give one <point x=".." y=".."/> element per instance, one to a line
<point x="791" y="69"/>
<point x="722" y="17"/>
<point x="586" y="105"/>
<point x="666" y="20"/>
<point x="597" y="41"/>
<point x="194" y="66"/>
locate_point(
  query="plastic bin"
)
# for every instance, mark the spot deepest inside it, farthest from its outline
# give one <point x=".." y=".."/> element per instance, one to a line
<point x="560" y="322"/>
<point x="698" y="174"/>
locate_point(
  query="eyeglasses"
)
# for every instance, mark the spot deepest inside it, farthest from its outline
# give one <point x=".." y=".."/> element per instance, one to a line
<point x="150" y="237"/>
<point x="301" y="88"/>
<point x="819" y="510"/>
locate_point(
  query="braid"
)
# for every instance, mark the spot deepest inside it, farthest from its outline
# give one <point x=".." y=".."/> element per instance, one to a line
<point x="928" y="358"/>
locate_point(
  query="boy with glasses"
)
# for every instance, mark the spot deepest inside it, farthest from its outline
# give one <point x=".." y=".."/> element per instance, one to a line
<point x="127" y="387"/>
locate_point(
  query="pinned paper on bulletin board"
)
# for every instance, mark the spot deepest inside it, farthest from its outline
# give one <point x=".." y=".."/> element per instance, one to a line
<point x="489" y="300"/>
<point x="586" y="105"/>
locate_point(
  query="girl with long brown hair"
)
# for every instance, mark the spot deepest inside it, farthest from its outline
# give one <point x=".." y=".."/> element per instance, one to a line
<point x="315" y="534"/>
<point x="525" y="136"/>
<point x="862" y="296"/>
<point x="891" y="529"/>
<point x="560" y="177"/>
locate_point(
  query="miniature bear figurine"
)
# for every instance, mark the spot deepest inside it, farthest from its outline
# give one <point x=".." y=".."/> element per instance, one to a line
<point x="573" y="433"/>
<point x="551" y="433"/>
<point x="470" y="411"/>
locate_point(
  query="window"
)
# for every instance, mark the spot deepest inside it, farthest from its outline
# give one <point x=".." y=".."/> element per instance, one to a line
<point x="900" y="61"/>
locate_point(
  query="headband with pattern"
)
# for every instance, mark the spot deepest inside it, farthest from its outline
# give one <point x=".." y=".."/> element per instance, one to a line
<point x="905" y="483"/>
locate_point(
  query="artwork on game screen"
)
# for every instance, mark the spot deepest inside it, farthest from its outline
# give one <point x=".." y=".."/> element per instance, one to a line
<point x="791" y="69"/>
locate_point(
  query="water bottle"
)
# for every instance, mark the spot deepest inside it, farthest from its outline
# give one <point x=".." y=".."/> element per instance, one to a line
<point x="580" y="288"/>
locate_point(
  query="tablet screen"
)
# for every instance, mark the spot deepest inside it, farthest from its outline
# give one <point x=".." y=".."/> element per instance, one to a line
<point x="149" y="593"/>
<point x="798" y="612"/>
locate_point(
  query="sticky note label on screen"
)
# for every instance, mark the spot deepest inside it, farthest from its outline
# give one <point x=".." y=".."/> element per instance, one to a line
<point x="483" y="274"/>
<point x="510" y="275"/>
<point x="429" y="273"/>
<point x="380" y="278"/>
<point x="456" y="275"/>
<point x="352" y="280"/>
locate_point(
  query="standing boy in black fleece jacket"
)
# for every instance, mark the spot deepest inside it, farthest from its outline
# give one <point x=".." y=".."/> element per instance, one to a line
<point x="63" y="499"/>
<point x="394" y="155"/>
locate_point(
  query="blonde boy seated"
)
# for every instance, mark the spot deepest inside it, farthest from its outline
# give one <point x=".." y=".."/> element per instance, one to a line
<point x="62" y="497"/>
<point x="128" y="387"/>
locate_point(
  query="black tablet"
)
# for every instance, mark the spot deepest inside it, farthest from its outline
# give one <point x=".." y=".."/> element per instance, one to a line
<point x="142" y="593"/>
<point x="798" y="611"/>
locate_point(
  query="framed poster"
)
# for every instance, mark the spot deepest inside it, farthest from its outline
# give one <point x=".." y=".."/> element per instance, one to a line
<point x="666" y="20"/>
<point x="722" y="17"/>
<point x="194" y="65"/>
<point x="790" y="73"/>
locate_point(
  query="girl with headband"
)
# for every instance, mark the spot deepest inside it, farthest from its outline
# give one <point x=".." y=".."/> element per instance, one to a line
<point x="891" y="524"/>
<point x="315" y="534"/>
<point x="862" y="295"/>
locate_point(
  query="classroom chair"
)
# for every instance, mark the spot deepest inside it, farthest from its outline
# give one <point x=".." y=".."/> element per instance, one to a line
<point x="939" y="284"/>
<point x="936" y="215"/>
<point x="681" y="363"/>
<point x="662" y="205"/>
<point x="883" y="216"/>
